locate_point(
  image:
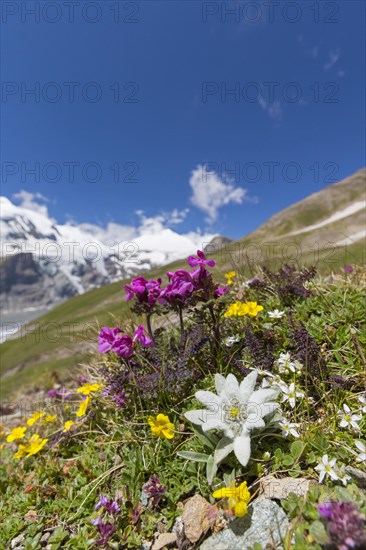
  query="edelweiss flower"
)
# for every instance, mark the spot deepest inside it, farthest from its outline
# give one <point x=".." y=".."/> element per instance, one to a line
<point x="290" y="394"/>
<point x="289" y="428"/>
<point x="361" y="447"/>
<point x="276" y="314"/>
<point x="236" y="410"/>
<point x="348" y="419"/>
<point x="326" y="467"/>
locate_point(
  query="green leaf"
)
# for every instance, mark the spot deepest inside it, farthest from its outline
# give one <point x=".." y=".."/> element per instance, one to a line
<point x="318" y="532"/>
<point x="288" y="460"/>
<point x="223" y="448"/>
<point x="211" y="469"/>
<point x="297" y="448"/>
<point x="190" y="455"/>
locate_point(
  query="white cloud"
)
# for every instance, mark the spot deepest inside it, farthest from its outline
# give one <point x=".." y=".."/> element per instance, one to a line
<point x="333" y="59"/>
<point x="29" y="201"/>
<point x="210" y="192"/>
<point x="274" y="109"/>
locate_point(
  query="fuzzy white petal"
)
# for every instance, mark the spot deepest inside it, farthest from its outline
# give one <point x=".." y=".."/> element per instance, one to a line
<point x="219" y="383"/>
<point x="209" y="399"/>
<point x="242" y="448"/>
<point x="247" y="386"/>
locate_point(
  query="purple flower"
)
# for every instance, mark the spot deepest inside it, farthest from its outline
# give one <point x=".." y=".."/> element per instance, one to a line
<point x="140" y="336"/>
<point x="220" y="291"/>
<point x="109" y="504"/>
<point x="117" y="395"/>
<point x="123" y="346"/>
<point x="154" y="490"/>
<point x="179" y="289"/>
<point x="61" y="393"/>
<point x="145" y="291"/>
<point x="200" y="261"/>
<point x="107" y="338"/>
<point x="106" y="530"/>
<point x="348" y="268"/>
<point x="345" y="524"/>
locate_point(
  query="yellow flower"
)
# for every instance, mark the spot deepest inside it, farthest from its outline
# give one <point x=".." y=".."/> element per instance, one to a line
<point x="50" y="418"/>
<point x="161" y="426"/>
<point x="239" y="309"/>
<point x="36" y="416"/>
<point x="230" y="276"/>
<point x="35" y="444"/>
<point x="16" y="433"/>
<point x="238" y="497"/>
<point x="22" y="450"/>
<point x="253" y="308"/>
<point x="83" y="407"/>
<point x="32" y="447"/>
<point x="89" y="388"/>
<point x="68" y="425"/>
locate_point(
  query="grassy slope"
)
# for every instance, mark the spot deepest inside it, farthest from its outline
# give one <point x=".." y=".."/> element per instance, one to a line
<point x="50" y="344"/>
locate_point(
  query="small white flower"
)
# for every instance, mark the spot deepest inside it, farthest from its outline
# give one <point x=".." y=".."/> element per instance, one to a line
<point x="362" y="400"/>
<point x="285" y="364"/>
<point x="326" y="467"/>
<point x="289" y="428"/>
<point x="349" y="420"/>
<point x="361" y="447"/>
<point x="290" y="394"/>
<point x="231" y="340"/>
<point x="276" y="314"/>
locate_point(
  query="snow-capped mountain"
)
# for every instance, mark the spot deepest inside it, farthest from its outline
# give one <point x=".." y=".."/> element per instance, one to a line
<point x="43" y="263"/>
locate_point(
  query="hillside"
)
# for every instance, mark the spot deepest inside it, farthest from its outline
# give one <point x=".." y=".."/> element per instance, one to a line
<point x="325" y="229"/>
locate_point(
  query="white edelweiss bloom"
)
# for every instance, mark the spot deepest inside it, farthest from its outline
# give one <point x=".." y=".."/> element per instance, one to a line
<point x="276" y="314"/>
<point x="231" y="340"/>
<point x="361" y="446"/>
<point x="236" y="410"/>
<point x="326" y="467"/>
<point x="289" y="428"/>
<point x="290" y="393"/>
<point x="348" y="419"/>
<point x="362" y="400"/>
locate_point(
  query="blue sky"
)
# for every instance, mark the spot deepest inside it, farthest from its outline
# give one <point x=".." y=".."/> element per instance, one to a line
<point x="152" y="100"/>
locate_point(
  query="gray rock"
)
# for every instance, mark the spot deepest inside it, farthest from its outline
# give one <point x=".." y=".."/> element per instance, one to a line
<point x="266" y="523"/>
<point x="16" y="543"/>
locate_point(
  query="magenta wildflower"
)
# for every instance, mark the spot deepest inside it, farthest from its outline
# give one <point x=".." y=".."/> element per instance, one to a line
<point x="60" y="393"/>
<point x="140" y="336"/>
<point x="107" y="337"/>
<point x="348" y="268"/>
<point x="220" y="291"/>
<point x="109" y="504"/>
<point x="200" y="261"/>
<point x="154" y="490"/>
<point x="123" y="346"/>
<point x="345" y="525"/>
<point x="106" y="530"/>
<point x="110" y="339"/>
<point x="146" y="292"/>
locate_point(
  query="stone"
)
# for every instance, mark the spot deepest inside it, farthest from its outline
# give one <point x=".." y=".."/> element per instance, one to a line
<point x="357" y="475"/>
<point x="271" y="487"/>
<point x="266" y="523"/>
<point x="195" y="518"/>
<point x="16" y="543"/>
<point x="164" y="539"/>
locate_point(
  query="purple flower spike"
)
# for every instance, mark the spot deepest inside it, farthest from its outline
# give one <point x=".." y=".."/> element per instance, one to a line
<point x="107" y="338"/>
<point x="109" y="504"/>
<point x="345" y="525"/>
